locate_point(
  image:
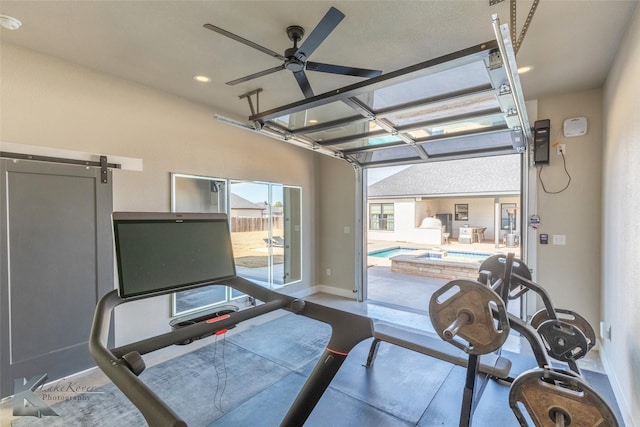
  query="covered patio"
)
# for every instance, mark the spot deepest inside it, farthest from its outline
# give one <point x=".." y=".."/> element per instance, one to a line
<point x="464" y="201"/>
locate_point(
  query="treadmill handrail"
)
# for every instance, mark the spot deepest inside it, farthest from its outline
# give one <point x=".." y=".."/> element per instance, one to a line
<point x="110" y="361"/>
<point x="347" y="330"/>
<point x="154" y="410"/>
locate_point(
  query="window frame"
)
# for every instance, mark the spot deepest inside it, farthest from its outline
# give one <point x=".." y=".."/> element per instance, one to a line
<point x="222" y="189"/>
<point x="461" y="212"/>
<point x="387" y="219"/>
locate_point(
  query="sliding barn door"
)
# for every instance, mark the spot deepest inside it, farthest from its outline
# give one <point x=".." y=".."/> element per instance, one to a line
<point x="56" y="264"/>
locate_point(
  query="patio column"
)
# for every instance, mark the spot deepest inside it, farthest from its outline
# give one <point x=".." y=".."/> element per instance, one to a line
<point x="496" y="220"/>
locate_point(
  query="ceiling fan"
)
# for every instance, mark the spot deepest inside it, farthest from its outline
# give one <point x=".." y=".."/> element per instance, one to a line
<point x="295" y="59"/>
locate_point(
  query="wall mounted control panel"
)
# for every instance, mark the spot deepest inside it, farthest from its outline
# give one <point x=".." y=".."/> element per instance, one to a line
<point x="541" y="130"/>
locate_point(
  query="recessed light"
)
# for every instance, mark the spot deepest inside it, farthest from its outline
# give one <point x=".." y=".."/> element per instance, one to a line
<point x="525" y="69"/>
<point x="9" y="22"/>
<point x="201" y="78"/>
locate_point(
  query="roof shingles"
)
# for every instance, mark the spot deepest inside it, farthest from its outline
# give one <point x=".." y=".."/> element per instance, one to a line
<point x="498" y="175"/>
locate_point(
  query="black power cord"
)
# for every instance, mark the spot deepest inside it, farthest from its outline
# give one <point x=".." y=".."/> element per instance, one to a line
<point x="564" y="163"/>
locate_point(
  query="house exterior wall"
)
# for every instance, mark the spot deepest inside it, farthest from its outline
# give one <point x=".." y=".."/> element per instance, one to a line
<point x="407" y="226"/>
<point x="425" y="207"/>
<point x="409" y="213"/>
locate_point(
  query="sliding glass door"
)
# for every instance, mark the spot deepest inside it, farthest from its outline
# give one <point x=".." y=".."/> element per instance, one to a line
<point x="265" y="232"/>
<point x="265" y="221"/>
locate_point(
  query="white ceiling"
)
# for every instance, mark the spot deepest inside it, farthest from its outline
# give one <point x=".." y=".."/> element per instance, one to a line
<point x="163" y="44"/>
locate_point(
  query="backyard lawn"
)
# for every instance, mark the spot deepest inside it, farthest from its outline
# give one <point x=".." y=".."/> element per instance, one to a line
<point x="250" y="250"/>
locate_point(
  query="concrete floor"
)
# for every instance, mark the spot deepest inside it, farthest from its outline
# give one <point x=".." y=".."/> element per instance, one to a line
<point x="397" y="298"/>
<point x="416" y="316"/>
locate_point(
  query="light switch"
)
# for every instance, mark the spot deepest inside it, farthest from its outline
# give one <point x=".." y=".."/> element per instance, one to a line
<point x="559" y="239"/>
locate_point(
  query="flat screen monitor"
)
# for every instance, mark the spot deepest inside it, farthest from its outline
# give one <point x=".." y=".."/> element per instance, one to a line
<point x="160" y="253"/>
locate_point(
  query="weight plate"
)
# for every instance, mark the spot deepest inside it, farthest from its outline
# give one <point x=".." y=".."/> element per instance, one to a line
<point x="539" y="317"/>
<point x="496" y="264"/>
<point x="476" y="303"/>
<point x="544" y="393"/>
<point x="570" y="317"/>
<point x="563" y="341"/>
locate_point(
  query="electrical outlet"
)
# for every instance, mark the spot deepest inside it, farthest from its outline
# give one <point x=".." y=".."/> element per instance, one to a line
<point x="328" y="272"/>
<point x="561" y="149"/>
<point x="605" y="331"/>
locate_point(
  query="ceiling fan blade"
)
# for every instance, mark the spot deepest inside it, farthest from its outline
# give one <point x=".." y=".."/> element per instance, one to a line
<point x="303" y="82"/>
<point x="255" y="75"/>
<point x="244" y="41"/>
<point x="327" y="24"/>
<point x="341" y="69"/>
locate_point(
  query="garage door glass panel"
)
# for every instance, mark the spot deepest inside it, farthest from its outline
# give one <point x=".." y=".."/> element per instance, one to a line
<point x="472" y="91"/>
<point x="448" y="82"/>
<point x="321" y="114"/>
<point x="470" y="143"/>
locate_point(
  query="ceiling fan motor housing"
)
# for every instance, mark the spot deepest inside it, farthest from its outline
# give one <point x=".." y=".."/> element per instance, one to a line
<point x="295" y="33"/>
<point x="293" y="64"/>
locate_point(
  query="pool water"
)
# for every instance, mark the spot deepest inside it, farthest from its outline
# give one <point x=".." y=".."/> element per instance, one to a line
<point x="390" y="252"/>
<point x="458" y="256"/>
<point x="450" y="255"/>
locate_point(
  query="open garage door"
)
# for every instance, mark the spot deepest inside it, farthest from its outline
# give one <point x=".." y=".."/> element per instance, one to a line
<point x="461" y="106"/>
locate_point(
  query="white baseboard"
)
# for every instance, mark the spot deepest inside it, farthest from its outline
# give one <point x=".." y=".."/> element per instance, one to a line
<point x="625" y="410"/>
<point x="332" y="290"/>
<point x="341" y="292"/>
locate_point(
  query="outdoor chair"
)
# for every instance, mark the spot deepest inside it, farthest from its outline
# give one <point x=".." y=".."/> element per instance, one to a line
<point x="275" y="241"/>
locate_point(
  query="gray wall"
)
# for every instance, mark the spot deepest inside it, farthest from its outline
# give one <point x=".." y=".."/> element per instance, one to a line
<point x="52" y="103"/>
<point x="571" y="273"/>
<point x="336" y="210"/>
<point x="45" y="101"/>
<point x="621" y="227"/>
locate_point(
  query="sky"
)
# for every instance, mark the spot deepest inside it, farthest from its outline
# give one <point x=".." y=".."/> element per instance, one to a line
<point x="257" y="192"/>
<point x="377" y="174"/>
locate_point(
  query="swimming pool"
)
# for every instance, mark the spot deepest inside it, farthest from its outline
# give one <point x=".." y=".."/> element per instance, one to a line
<point x="457" y="255"/>
<point x="389" y="252"/>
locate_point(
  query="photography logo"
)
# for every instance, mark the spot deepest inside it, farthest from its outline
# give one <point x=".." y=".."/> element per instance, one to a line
<point x="26" y="402"/>
<point x="30" y="397"/>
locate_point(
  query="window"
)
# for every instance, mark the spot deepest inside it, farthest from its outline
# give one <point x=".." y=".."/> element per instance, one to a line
<point x="508" y="216"/>
<point x="381" y="216"/>
<point x="265" y="222"/>
<point x="265" y="232"/>
<point x="462" y="212"/>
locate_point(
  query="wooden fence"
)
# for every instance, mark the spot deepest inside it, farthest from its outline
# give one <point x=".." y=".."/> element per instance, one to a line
<point x="240" y="224"/>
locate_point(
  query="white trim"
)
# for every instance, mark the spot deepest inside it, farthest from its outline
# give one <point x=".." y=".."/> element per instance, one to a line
<point x="126" y="163"/>
<point x="623" y="405"/>
<point x="344" y="293"/>
<point x="508" y="193"/>
<point x="332" y="290"/>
